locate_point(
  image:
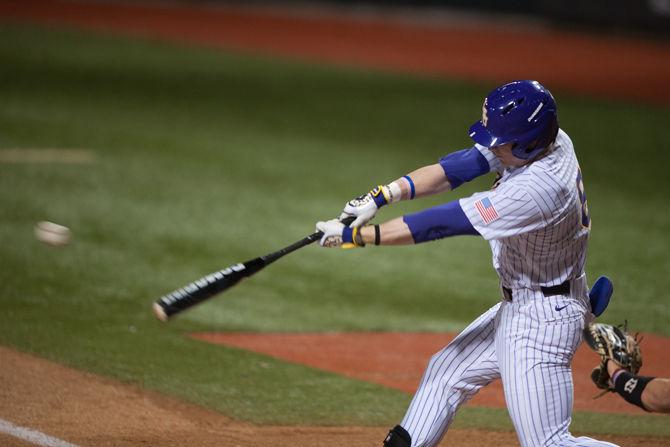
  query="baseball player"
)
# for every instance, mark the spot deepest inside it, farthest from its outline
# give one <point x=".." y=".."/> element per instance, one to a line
<point x="620" y="363"/>
<point x="536" y="220"/>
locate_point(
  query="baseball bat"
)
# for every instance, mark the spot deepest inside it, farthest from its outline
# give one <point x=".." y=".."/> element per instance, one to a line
<point x="208" y="286"/>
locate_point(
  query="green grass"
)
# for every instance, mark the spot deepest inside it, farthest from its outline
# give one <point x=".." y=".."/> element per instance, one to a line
<point x="206" y="158"/>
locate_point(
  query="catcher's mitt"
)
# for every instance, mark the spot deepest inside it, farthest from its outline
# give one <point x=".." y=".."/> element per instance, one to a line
<point x="616" y="344"/>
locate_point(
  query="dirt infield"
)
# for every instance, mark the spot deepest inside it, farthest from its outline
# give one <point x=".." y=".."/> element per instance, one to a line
<point x="88" y="410"/>
<point x="397" y="360"/>
<point x="489" y="51"/>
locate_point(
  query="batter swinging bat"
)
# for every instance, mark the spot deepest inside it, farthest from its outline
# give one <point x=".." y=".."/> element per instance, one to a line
<point x="217" y="282"/>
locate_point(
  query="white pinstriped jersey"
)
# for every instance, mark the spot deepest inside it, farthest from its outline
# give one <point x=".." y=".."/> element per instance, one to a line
<point x="535" y="219"/>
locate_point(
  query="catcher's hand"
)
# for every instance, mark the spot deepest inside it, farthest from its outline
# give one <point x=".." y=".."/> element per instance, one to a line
<point x="615" y="344"/>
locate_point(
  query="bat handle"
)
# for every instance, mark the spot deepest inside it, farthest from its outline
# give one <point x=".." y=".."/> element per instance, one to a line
<point x="347" y="220"/>
<point x="316" y="236"/>
<point x="272" y="257"/>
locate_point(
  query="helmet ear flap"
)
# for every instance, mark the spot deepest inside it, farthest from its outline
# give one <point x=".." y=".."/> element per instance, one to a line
<point x="539" y="144"/>
<point x="549" y="135"/>
<point x="531" y="147"/>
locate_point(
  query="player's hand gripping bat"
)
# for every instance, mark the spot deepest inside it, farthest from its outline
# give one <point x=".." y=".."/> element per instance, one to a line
<point x="208" y="286"/>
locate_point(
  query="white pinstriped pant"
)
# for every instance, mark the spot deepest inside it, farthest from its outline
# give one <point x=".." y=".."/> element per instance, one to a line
<point x="526" y="343"/>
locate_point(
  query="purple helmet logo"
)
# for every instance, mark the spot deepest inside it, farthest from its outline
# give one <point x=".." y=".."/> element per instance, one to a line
<point x="522" y="113"/>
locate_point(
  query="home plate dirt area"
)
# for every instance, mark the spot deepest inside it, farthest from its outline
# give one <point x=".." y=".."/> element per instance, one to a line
<point x="84" y="409"/>
<point x="87" y="410"/>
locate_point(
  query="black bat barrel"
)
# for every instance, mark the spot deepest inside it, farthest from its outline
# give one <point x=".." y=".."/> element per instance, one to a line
<point x="215" y="283"/>
<point x="204" y="288"/>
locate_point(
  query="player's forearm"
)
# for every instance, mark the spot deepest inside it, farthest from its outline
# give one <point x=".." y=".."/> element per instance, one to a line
<point x="424" y="181"/>
<point x="452" y="171"/>
<point x="656" y="396"/>
<point x="427" y="225"/>
<point x="393" y="232"/>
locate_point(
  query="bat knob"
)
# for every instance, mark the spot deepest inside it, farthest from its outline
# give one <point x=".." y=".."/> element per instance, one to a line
<point x="160" y="312"/>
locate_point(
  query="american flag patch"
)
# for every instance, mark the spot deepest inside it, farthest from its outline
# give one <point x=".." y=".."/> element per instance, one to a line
<point x="486" y="210"/>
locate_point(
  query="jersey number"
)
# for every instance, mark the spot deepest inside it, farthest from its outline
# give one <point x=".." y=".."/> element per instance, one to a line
<point x="586" y="218"/>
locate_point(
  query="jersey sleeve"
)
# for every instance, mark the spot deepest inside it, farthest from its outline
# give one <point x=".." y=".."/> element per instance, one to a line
<point x="503" y="212"/>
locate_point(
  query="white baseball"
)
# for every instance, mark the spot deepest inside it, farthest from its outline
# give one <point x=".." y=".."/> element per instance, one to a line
<point x="52" y="234"/>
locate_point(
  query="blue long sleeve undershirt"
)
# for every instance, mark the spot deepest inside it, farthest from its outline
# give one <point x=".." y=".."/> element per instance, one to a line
<point x="464" y="165"/>
<point x="439" y="222"/>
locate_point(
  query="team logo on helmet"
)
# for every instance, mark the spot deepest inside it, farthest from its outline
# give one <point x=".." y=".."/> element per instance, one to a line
<point x="485" y="116"/>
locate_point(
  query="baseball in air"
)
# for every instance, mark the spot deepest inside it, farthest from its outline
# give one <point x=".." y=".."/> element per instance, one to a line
<point x="52" y="234"/>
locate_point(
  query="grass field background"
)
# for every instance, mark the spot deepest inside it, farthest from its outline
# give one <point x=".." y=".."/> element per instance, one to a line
<point x="204" y="158"/>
